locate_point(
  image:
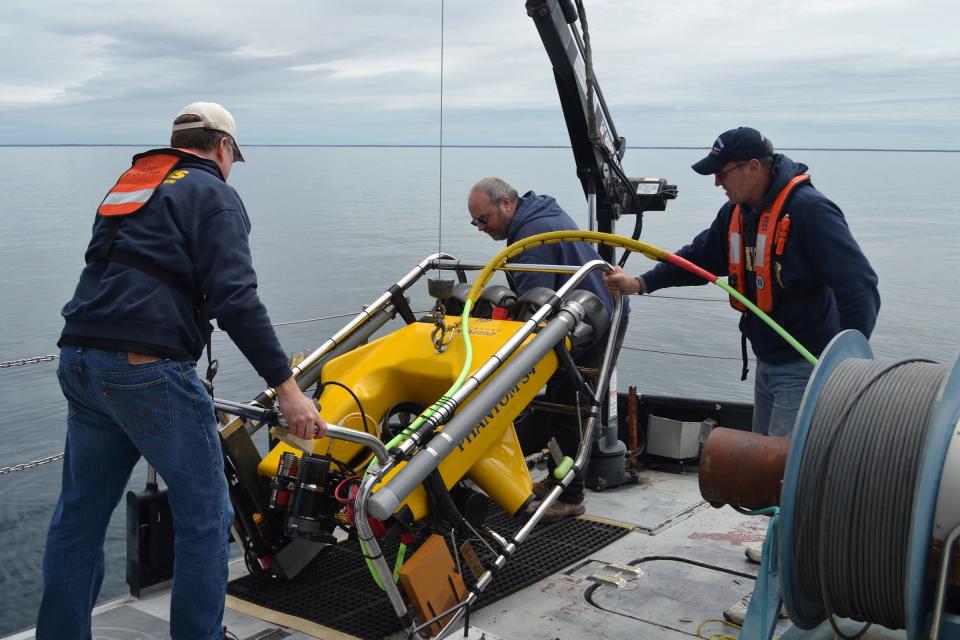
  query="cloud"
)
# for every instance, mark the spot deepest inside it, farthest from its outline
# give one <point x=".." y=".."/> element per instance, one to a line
<point x="837" y="73"/>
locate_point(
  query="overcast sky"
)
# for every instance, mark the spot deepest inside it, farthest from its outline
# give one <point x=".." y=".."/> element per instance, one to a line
<point x="818" y="73"/>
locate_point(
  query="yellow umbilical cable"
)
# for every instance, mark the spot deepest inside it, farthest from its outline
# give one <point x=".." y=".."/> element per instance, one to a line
<point x="717" y="636"/>
<point x="553" y="237"/>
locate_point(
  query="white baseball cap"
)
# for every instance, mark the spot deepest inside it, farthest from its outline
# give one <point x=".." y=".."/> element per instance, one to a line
<point x="212" y="116"/>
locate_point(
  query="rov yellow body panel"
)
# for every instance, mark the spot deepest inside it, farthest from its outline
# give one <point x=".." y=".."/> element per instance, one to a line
<point x="404" y="368"/>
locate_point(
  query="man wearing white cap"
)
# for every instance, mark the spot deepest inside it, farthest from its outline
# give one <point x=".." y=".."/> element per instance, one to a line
<point x="169" y="253"/>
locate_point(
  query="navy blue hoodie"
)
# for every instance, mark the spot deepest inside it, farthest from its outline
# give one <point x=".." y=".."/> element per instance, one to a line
<point x="541" y="214"/>
<point x="196" y="228"/>
<point x="827" y="283"/>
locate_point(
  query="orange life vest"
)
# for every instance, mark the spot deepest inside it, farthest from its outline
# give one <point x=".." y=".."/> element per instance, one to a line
<point x="138" y="183"/>
<point x="771" y="230"/>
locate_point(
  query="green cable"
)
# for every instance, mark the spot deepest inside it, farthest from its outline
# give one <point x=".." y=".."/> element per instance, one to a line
<point x="432" y="409"/>
<point x="770" y="321"/>
<point x="563" y="468"/>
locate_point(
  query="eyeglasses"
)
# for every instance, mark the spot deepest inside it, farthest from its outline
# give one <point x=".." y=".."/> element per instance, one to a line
<point x="477" y="222"/>
<point x="725" y="172"/>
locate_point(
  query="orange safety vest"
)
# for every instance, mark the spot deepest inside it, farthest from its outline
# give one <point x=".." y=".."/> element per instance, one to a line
<point x="771" y="230"/>
<point x="138" y="183"/>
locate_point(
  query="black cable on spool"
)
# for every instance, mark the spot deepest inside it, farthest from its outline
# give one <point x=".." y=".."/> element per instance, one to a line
<point x="856" y="485"/>
<point x="892" y="400"/>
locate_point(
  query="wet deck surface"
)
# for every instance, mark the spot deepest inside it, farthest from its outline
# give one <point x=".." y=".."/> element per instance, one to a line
<point x="673" y="574"/>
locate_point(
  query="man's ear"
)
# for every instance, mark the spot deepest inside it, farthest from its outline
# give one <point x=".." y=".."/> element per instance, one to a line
<point x="224" y="147"/>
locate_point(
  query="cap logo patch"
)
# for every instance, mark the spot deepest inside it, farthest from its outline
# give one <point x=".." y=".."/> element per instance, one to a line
<point x="717" y="147"/>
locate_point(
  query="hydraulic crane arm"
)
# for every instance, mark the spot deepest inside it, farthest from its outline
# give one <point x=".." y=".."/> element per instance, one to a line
<point x="597" y="148"/>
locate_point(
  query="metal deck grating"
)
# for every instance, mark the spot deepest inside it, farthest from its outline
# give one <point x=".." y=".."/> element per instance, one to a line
<point x="337" y="591"/>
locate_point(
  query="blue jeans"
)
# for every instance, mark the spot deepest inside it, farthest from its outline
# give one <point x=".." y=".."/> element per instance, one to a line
<point x="117" y="412"/>
<point x="778" y="390"/>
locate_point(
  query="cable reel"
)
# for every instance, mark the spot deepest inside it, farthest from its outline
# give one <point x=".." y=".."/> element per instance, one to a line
<point x="868" y="510"/>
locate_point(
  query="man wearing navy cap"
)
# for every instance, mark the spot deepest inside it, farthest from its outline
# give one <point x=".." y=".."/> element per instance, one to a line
<point x="805" y="269"/>
<point x="788" y="249"/>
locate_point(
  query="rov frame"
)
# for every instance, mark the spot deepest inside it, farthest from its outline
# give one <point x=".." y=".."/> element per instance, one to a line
<point x="552" y="322"/>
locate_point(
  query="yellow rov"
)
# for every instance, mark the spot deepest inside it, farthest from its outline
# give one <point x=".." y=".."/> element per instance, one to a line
<point x="421" y="419"/>
<point x="398" y="374"/>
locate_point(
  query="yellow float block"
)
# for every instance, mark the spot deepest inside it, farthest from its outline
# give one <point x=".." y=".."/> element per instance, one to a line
<point x="404" y="368"/>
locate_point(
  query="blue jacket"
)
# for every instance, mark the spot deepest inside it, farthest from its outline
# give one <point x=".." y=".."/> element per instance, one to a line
<point x="540" y="214"/>
<point x="196" y="228"/>
<point x="826" y="283"/>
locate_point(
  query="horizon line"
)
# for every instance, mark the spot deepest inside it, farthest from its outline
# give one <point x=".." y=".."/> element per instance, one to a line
<point x="489" y="146"/>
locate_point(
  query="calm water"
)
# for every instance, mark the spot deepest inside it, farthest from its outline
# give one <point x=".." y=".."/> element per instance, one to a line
<point x="334" y="227"/>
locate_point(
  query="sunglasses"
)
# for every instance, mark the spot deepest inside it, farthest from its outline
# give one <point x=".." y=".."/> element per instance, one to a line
<point x="482" y="220"/>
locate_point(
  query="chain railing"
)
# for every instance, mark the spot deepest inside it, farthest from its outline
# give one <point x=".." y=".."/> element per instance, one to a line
<point x="30" y="465"/>
<point x="22" y="361"/>
<point x="33" y="464"/>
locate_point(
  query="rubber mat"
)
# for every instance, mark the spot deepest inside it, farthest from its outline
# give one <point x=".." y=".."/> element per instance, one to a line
<point x="336" y="590"/>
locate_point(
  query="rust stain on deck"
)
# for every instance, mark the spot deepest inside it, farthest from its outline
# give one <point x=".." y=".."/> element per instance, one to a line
<point x="737" y="537"/>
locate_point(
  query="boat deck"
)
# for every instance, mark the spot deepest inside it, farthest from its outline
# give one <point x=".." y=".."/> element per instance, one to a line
<point x="670" y="577"/>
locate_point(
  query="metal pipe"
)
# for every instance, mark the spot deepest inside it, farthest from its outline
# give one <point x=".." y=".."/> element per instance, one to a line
<point x="438" y="617"/>
<point x="461" y="610"/>
<point x="591" y="207"/>
<point x="465" y="265"/>
<point x="373" y="550"/>
<point x="634" y="438"/>
<point x="268" y="395"/>
<point x="942" y="582"/>
<point x="602" y="383"/>
<point x="493" y="363"/>
<point x="610" y="436"/>
<point x="389" y="497"/>
<point x="251" y="412"/>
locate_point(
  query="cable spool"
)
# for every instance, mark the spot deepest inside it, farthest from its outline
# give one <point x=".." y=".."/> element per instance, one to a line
<point x="861" y="483"/>
<point x="856" y="487"/>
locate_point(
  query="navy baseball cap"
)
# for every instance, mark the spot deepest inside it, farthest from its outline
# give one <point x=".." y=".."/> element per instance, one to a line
<point x="742" y="143"/>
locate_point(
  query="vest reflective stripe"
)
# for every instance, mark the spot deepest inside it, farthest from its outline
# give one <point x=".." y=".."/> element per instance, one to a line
<point x="138" y="183"/>
<point x="120" y="197"/>
<point x="735" y="248"/>
<point x="767" y="227"/>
